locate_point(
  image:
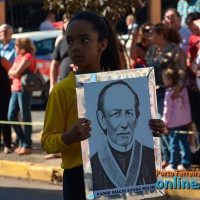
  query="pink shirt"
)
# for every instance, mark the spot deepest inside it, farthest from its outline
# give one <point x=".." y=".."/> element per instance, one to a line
<point x="16" y="83"/>
<point x="176" y="112"/>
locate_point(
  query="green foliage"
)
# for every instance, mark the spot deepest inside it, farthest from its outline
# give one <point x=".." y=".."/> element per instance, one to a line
<point x="113" y="10"/>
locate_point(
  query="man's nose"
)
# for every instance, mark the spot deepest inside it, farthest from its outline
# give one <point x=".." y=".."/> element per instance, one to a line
<point x="124" y="123"/>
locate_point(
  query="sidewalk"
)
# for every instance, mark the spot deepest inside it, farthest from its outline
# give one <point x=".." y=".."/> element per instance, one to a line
<point x="33" y="166"/>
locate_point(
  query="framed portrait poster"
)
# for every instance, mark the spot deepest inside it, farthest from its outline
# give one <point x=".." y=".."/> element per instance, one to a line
<point x="121" y="156"/>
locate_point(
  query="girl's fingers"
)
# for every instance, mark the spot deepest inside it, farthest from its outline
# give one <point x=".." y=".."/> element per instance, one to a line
<point x="156" y="122"/>
<point x="86" y="124"/>
<point x="83" y="121"/>
<point x="157" y="126"/>
<point x="157" y="134"/>
<point x="157" y="129"/>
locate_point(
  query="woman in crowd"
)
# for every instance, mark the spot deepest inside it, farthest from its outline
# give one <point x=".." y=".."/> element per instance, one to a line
<point x="139" y="49"/>
<point x="21" y="100"/>
<point x="165" y="52"/>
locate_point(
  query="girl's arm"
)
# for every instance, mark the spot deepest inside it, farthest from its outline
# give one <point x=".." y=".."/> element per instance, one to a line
<point x="180" y="64"/>
<point x="133" y="51"/>
<point x="17" y="73"/>
<point x="167" y="110"/>
<point x="56" y="136"/>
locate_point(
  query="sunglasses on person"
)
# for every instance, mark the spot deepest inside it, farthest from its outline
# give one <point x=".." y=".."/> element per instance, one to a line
<point x="147" y="30"/>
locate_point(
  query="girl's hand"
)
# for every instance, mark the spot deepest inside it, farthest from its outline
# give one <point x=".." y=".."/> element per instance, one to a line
<point x="157" y="126"/>
<point x="166" y="132"/>
<point x="78" y="132"/>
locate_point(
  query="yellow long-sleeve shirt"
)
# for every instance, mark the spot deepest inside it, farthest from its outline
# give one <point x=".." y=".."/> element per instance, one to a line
<point x="61" y="114"/>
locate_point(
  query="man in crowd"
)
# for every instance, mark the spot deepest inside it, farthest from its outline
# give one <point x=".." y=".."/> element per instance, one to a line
<point x="121" y="161"/>
<point x="184" y="7"/>
<point x="7" y="48"/>
<point x="47" y="24"/>
<point x="60" y="57"/>
<point x="173" y="19"/>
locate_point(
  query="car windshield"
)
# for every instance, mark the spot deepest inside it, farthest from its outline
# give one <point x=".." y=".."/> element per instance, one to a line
<point x="44" y="47"/>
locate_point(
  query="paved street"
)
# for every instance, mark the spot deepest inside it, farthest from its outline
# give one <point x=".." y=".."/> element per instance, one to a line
<point x="25" y="190"/>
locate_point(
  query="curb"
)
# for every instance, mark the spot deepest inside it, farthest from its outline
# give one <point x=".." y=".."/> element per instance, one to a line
<point x="40" y="172"/>
<point x="30" y="171"/>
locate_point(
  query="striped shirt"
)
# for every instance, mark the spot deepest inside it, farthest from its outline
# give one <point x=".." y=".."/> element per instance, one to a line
<point x="184" y="8"/>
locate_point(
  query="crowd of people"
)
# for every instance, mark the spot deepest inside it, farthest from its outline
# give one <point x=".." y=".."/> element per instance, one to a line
<point x="171" y="47"/>
<point x="16" y="58"/>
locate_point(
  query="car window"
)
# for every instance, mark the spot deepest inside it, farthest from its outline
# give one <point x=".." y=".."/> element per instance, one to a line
<point x="45" y="47"/>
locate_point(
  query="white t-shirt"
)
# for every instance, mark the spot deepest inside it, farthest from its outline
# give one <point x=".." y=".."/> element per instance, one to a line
<point x="46" y="25"/>
<point x="185" y="34"/>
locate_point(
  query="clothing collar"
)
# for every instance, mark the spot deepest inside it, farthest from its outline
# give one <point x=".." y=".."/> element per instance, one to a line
<point x="112" y="169"/>
<point x="119" y="148"/>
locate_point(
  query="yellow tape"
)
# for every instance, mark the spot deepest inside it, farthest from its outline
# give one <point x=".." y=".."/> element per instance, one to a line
<point x="23" y="123"/>
<point x="184" y="132"/>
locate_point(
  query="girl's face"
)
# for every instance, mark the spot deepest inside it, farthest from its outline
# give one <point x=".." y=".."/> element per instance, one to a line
<point x="84" y="47"/>
<point x="17" y="47"/>
<point x="157" y="38"/>
<point x="168" y="82"/>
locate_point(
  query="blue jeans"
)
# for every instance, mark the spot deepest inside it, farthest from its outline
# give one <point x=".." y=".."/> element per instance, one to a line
<point x="21" y="101"/>
<point x="179" y="142"/>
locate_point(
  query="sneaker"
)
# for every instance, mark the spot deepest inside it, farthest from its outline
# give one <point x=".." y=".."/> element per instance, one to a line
<point x="164" y="164"/>
<point x="181" y="168"/>
<point x="170" y="168"/>
<point x="7" y="150"/>
<point x="24" y="151"/>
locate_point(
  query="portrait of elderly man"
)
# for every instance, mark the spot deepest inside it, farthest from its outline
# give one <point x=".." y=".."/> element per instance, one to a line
<point x="122" y="161"/>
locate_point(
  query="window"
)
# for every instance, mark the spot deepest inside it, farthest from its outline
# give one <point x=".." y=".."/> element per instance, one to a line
<point x="45" y="47"/>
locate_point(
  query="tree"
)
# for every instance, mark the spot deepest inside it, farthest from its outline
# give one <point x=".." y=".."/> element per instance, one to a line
<point x="113" y="10"/>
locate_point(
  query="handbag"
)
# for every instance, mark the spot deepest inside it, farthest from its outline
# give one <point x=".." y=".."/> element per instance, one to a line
<point x="33" y="81"/>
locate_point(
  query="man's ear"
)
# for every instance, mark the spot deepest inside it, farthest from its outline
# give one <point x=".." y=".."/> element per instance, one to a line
<point x="103" y="45"/>
<point x="101" y="120"/>
<point x="136" y="122"/>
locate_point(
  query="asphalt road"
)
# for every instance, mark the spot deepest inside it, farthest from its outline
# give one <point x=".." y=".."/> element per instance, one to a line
<point x="15" y="189"/>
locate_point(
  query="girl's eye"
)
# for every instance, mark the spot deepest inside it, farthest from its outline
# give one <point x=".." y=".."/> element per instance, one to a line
<point x="69" y="42"/>
<point x="85" y="40"/>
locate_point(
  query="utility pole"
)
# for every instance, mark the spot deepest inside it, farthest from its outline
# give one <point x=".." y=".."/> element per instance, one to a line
<point x="154" y="11"/>
<point x="2" y="12"/>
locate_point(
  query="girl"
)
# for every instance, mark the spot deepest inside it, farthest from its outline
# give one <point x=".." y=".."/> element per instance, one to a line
<point x="21" y="100"/>
<point x="93" y="48"/>
<point x="177" y="116"/>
